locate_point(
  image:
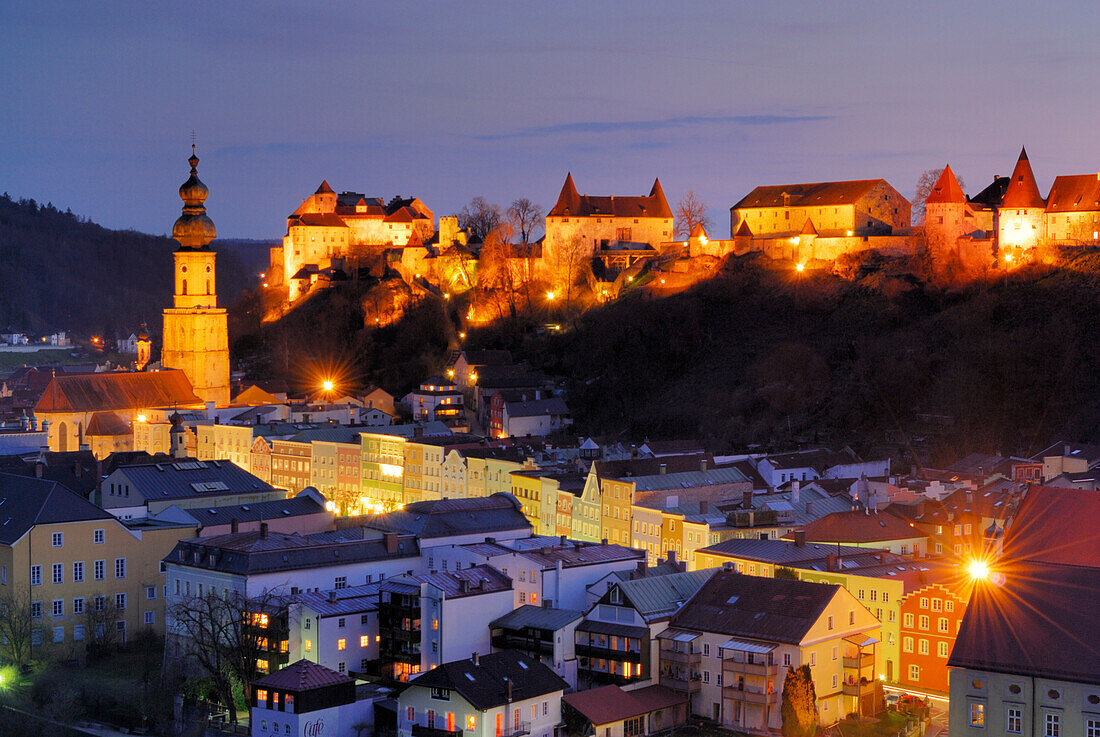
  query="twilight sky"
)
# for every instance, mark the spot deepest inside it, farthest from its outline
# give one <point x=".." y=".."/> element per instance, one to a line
<point x="449" y="100"/>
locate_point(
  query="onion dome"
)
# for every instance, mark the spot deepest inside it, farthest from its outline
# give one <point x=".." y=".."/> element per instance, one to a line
<point x="143" y="334"/>
<point x="194" y="229"/>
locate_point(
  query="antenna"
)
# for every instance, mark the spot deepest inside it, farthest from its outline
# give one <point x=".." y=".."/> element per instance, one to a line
<point x="192" y="138"/>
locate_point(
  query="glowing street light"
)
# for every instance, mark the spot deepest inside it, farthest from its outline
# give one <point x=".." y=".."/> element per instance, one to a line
<point x="328" y="385"/>
<point x="978" y="569"/>
<point x="550" y="295"/>
<point x="1008" y="258"/>
<point x="800" y="267"/>
<point x="462" y="336"/>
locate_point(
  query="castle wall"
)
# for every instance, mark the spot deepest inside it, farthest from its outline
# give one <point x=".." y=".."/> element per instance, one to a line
<point x="592" y="230"/>
<point x="1021" y="227"/>
<point x="883" y="207"/>
<point x="1073" y="228"/>
<point x="830" y="248"/>
<point x="774" y="221"/>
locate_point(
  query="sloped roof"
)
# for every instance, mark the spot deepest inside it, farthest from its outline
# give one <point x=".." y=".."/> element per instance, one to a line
<point x="324" y="188"/>
<point x="350" y="600"/>
<point x="1023" y="191"/>
<point x="486" y="358"/>
<point x="1056" y="526"/>
<point x="608" y="704"/>
<point x="808" y="228"/>
<point x="537" y="407"/>
<point x="773" y="609"/>
<point x="992" y="195"/>
<point x="1090" y="453"/>
<point x="26" y="502"/>
<point x="108" y="424"/>
<point x="814" y="194"/>
<point x="447" y="517"/>
<point x="1041" y="621"/>
<point x="658" y="596"/>
<point x="304" y="675"/>
<point x="538" y="617"/>
<point x="481" y="579"/>
<point x="779" y="552"/>
<point x="485" y="685"/>
<point x="570" y="203"/>
<point x="323" y="219"/>
<point x="117" y="391"/>
<point x="298" y="506"/>
<point x="1074" y="193"/>
<point x="859" y="527"/>
<point x="181" y="479"/>
<point x="744" y="229"/>
<point x="946" y="189"/>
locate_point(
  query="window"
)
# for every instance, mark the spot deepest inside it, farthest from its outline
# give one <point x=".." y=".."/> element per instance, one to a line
<point x="923" y="647"/>
<point x="308" y="645"/>
<point x="100" y="602"/>
<point x="1092" y="727"/>
<point x="924" y="621"/>
<point x="78" y="605"/>
<point x="471" y="722"/>
<point x="36" y="609"/>
<point x="57" y="572"/>
<point x="706" y="648"/>
<point x="78" y="633"/>
<point x="813" y="659"/>
<point x="706" y="676"/>
<point x="1053" y="723"/>
<point x="943" y="625"/>
<point x="36" y="575"/>
<point x="149" y="617"/>
<point x="100" y="570"/>
<point x="874" y="595"/>
<point x="58" y="607"/>
<point x="908" y="619"/>
<point x="78" y="571"/>
<point x="341" y="644"/>
<point x="943" y="650"/>
<point x="1014" y="720"/>
<point x="57" y="539"/>
<point x="786" y="660"/>
<point x="98" y="537"/>
<point x="341" y="622"/>
<point x="834" y="652"/>
<point x="120" y="601"/>
<point x="364" y="619"/>
<point x="829" y="620"/>
<point x="341" y="582"/>
<point x="834" y="680"/>
<point x="907" y="644"/>
<point x="59" y="634"/>
<point x="364" y="640"/>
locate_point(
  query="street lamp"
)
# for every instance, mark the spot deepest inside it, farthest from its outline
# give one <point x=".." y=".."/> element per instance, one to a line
<point x="800" y="267"/>
<point x="550" y="296"/>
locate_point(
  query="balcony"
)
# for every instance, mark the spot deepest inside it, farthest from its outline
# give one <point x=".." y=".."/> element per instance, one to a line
<point x="422" y="731"/>
<point x="751" y="696"/>
<point x="682" y="682"/>
<point x="762" y="670"/>
<point x="526" y="644"/>
<point x="866" y="660"/>
<point x="863" y="688"/>
<point x="516" y="730"/>
<point x="678" y="657"/>
<point x="606" y="653"/>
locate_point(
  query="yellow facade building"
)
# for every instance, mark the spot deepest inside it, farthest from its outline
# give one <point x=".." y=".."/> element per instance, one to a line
<point x="196" y="334"/>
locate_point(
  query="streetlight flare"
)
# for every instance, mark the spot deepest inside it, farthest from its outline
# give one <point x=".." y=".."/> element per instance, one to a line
<point x="800" y="267"/>
<point x="328" y="385"/>
<point x="978" y="569"/>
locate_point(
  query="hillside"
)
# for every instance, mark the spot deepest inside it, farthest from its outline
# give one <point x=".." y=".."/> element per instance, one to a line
<point x="63" y="272"/>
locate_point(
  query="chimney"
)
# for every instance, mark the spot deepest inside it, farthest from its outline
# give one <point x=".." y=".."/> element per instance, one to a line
<point x="332" y="597"/>
<point x="796" y="489"/>
<point x="831" y="562"/>
<point x="603" y="541"/>
<point x="77" y="468"/>
<point x="799" y="538"/>
<point x="463" y="586"/>
<point x="233" y="526"/>
<point x="810" y="507"/>
<point x="509" y="682"/>
<point x="704" y="507"/>
<point x="1065" y="449"/>
<point x="671" y="556"/>
<point x="564" y="540"/>
<point x="703" y="465"/>
<point x="663" y="468"/>
<point x="746" y="500"/>
<point x="476" y="660"/>
<point x="640" y="572"/>
<point x="39" y="468"/>
<point x="418" y="432"/>
<point x="209" y="410"/>
<point x="390" y="541"/>
<point x="263" y="530"/>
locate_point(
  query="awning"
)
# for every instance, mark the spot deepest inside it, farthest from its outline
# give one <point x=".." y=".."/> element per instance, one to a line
<point x="748" y="647"/>
<point x="677" y="635"/>
<point x="609" y="628"/>
<point x="860" y="640"/>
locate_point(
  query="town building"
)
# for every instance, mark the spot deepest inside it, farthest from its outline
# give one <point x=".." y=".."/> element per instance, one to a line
<point x="609" y="711"/>
<point x="867" y="529"/>
<point x="1021" y="218"/>
<point x="304" y="514"/>
<point x="337" y="628"/>
<point x="196" y="333"/>
<point x="1026" y="661"/>
<point x="503" y="694"/>
<point x="449" y="522"/>
<point x="542" y="634"/>
<point x="732" y="645"/>
<point x="435" y="399"/>
<point x="536" y="418"/>
<point x="305" y="699"/>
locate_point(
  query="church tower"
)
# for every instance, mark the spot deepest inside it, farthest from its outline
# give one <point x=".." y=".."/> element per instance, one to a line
<point x="196" y="335"/>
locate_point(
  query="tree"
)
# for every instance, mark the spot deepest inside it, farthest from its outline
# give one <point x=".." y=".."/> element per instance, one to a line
<point x="690" y="211"/>
<point x="925" y="182"/>
<point x="799" y="706"/>
<point x="785" y="573"/>
<point x="568" y="263"/>
<point x="525" y="216"/>
<point x="479" y="218"/>
<point x="496" y="275"/>
<point x="224" y="635"/>
<point x="101" y="633"/>
<point x="16" y="629"/>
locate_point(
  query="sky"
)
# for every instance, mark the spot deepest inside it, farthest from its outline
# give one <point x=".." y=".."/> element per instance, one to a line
<point x="451" y="100"/>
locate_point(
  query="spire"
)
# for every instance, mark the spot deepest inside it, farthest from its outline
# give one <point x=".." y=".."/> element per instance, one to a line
<point x="663" y="210"/>
<point x="1022" y="190"/>
<point x="324" y="188"/>
<point x="946" y="189"/>
<point x="194" y="229"/>
<point x="569" y="201"/>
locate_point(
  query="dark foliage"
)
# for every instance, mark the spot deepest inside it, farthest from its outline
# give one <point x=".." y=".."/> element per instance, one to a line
<point x="62" y="272"/>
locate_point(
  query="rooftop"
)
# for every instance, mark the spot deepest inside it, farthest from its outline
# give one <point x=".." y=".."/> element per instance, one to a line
<point x="303" y="675"/>
<point x="116" y="391"/>
<point x="537" y="617"/>
<point x="608" y="704"/>
<point x="485" y="684"/>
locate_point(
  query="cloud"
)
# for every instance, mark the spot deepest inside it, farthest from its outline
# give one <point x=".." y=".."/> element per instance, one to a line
<point x="631" y="126"/>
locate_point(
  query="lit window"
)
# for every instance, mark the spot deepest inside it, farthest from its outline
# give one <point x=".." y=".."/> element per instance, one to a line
<point x="309" y="645"/>
<point x="1053" y="724"/>
<point x="977" y="715"/>
<point x="341" y="644"/>
<point x="364" y="640"/>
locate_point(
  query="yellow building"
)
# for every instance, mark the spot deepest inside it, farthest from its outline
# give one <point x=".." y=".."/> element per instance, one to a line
<point x="196" y="335"/>
<point x="78" y="568"/>
<point x="217" y="442"/>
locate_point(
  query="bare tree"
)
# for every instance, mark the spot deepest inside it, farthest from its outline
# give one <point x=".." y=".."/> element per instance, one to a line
<point x="568" y="263"/>
<point x="225" y="635"/>
<point x="479" y="218"/>
<point x="690" y="211"/>
<point x="16" y="629"/>
<point x="101" y="632"/>
<point x="525" y="216"/>
<point x="925" y="182"/>
<point x="496" y="276"/>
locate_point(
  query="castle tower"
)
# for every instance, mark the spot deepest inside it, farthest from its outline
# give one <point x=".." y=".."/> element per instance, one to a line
<point x="144" y="348"/>
<point x="196" y="336"/>
<point x="1022" y="214"/>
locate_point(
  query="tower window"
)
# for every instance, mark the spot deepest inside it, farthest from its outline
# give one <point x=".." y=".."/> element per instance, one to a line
<point x="185" y="286"/>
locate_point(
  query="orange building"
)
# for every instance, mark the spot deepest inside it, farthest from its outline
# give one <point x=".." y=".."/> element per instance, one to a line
<point x="930" y="619"/>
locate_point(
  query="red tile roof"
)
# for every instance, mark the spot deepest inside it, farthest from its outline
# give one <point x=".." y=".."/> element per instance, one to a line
<point x="608" y="704"/>
<point x="570" y="203"/>
<point x="814" y="194"/>
<point x="946" y="189"/>
<point x="303" y="675"/>
<point x="324" y="188"/>
<point x="1075" y="193"/>
<point x="1056" y="526"/>
<point x="117" y="391"/>
<point x="859" y="527"/>
<point x="326" y="219"/>
<point x="1022" y="190"/>
<point x="107" y="423"/>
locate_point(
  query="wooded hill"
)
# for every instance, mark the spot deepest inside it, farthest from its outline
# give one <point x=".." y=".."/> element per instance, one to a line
<point x="63" y="272"/>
